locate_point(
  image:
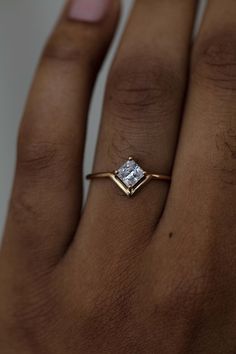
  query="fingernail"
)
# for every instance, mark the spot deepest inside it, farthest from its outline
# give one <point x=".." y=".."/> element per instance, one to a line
<point x="89" y="10"/>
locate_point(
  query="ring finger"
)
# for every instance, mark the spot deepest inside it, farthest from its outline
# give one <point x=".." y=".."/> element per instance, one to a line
<point x="141" y="119"/>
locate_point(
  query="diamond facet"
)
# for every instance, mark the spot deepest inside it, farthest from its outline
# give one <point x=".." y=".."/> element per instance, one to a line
<point x="130" y="173"/>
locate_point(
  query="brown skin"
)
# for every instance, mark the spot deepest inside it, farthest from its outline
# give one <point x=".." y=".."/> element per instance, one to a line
<point x="152" y="274"/>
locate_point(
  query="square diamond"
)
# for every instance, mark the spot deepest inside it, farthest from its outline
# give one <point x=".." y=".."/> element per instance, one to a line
<point x="130" y="173"/>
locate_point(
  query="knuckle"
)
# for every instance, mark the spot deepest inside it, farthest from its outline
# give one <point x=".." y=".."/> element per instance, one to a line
<point x="108" y="305"/>
<point x="215" y="61"/>
<point x="192" y="284"/>
<point x="65" y="46"/>
<point x="111" y="302"/>
<point x="184" y="298"/>
<point x="140" y="87"/>
<point x="36" y="155"/>
<point x="62" y="47"/>
<point x="143" y="95"/>
<point x="41" y="155"/>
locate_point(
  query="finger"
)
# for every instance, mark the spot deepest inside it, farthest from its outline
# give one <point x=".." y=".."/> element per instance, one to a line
<point x="141" y="119"/>
<point x="46" y="199"/>
<point x="205" y="173"/>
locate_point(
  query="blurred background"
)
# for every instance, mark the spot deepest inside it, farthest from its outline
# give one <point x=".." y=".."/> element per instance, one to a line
<point x="24" y="27"/>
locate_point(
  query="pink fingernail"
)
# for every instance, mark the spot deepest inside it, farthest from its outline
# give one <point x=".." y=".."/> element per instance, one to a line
<point x="89" y="10"/>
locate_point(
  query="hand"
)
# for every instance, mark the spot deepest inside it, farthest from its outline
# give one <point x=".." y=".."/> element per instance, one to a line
<point x="154" y="273"/>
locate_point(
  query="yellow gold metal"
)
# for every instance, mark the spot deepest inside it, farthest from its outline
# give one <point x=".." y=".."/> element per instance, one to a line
<point x="129" y="191"/>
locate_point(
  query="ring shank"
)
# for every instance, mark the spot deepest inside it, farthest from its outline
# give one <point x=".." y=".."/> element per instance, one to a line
<point x="110" y="174"/>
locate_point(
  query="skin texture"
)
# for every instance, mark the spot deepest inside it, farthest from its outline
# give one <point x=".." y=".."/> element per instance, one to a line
<point x="151" y="274"/>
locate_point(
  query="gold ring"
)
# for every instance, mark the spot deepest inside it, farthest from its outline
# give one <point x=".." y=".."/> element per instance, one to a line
<point x="130" y="177"/>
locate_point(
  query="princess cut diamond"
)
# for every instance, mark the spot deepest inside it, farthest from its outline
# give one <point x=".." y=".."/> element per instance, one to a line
<point x="130" y="173"/>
